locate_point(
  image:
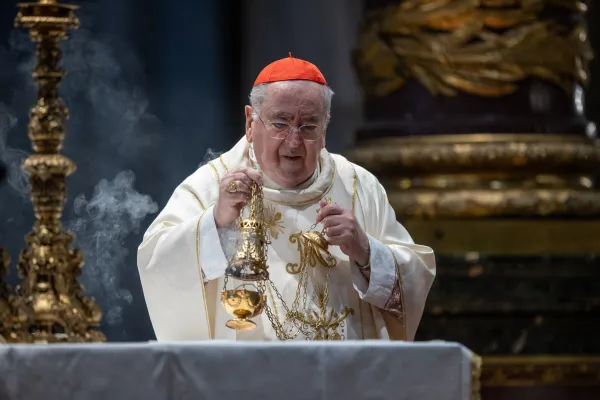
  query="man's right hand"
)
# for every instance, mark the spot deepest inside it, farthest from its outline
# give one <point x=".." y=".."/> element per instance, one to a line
<point x="234" y="193"/>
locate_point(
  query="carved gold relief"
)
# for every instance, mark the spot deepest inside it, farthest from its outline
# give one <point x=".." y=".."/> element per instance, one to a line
<point x="481" y="47"/>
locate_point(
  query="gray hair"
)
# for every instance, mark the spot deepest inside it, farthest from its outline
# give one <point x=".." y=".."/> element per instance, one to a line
<point x="258" y="95"/>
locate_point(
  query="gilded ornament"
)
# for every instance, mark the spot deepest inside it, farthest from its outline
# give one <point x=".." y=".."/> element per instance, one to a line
<point x="483" y="47"/>
<point x="243" y="304"/>
<point x="250" y="266"/>
<point x="49" y="305"/>
<point x="231" y="187"/>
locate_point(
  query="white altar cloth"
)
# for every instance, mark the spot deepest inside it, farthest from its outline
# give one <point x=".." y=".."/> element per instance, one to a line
<point x="236" y="370"/>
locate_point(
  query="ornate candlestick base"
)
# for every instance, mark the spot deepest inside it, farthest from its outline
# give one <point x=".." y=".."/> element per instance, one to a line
<point x="13" y="315"/>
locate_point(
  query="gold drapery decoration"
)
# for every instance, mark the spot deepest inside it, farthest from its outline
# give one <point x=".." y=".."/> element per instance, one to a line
<point x="481" y="47"/>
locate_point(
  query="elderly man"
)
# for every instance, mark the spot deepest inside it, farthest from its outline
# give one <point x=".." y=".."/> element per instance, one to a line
<point x="371" y="282"/>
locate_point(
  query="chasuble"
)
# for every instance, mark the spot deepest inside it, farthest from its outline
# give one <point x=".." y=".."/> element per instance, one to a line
<point x="183" y="257"/>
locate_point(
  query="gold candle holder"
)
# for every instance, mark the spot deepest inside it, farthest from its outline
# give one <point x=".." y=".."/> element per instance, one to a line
<point x="12" y="314"/>
<point x="56" y="308"/>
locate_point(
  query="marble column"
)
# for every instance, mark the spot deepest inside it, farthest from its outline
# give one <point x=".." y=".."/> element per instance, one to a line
<point x="476" y="109"/>
<point x="475" y="123"/>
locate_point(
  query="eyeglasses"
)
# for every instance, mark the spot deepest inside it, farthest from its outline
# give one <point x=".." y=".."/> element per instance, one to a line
<point x="281" y="130"/>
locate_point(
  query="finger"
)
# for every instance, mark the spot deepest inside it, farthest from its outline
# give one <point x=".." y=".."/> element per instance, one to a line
<point x="335" y="231"/>
<point x="253" y="174"/>
<point x="243" y="187"/>
<point x="332" y="220"/>
<point x="336" y="240"/>
<point x="330" y="209"/>
<point x="238" y="176"/>
<point x="239" y="198"/>
<point x="240" y="187"/>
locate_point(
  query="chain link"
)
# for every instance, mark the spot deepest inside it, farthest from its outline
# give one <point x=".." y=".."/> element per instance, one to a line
<point x="301" y="325"/>
<point x="292" y="325"/>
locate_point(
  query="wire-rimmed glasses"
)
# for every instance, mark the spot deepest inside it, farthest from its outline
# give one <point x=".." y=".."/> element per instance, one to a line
<point x="280" y="130"/>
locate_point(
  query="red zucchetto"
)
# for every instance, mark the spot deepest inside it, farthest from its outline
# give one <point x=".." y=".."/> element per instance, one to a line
<point x="288" y="69"/>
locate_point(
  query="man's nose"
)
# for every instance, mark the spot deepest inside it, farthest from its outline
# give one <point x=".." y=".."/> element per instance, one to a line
<point x="293" y="138"/>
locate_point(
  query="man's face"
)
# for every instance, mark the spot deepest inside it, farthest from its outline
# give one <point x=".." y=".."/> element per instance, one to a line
<point x="290" y="161"/>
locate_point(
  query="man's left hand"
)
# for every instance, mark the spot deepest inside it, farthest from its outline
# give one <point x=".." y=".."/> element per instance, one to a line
<point x="343" y="230"/>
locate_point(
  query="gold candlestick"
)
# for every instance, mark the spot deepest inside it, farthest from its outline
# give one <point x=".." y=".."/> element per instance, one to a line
<point x="57" y="310"/>
<point x="12" y="313"/>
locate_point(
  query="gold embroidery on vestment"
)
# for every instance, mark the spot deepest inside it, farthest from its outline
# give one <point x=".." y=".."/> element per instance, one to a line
<point x="325" y="324"/>
<point x="313" y="249"/>
<point x="273" y="221"/>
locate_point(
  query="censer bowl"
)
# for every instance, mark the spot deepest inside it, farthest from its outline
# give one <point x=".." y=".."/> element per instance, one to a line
<point x="247" y="270"/>
<point x="242" y="304"/>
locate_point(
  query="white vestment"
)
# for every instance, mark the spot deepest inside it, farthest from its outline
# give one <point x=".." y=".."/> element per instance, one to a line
<point x="182" y="258"/>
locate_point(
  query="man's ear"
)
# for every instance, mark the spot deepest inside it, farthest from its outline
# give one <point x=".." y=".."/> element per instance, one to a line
<point x="248" y="111"/>
<point x="325" y="130"/>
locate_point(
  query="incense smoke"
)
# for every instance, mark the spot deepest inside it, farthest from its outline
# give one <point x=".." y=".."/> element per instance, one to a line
<point x="103" y="73"/>
<point x="15" y="206"/>
<point x="104" y="222"/>
<point x="209" y="156"/>
<point x="10" y="157"/>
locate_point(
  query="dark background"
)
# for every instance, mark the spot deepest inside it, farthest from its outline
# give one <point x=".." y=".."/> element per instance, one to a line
<point x="152" y="86"/>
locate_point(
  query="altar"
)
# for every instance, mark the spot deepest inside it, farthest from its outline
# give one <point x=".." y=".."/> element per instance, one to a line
<point x="233" y="370"/>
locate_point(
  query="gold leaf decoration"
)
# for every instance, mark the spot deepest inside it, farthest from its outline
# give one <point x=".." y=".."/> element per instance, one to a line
<point x="480" y="47"/>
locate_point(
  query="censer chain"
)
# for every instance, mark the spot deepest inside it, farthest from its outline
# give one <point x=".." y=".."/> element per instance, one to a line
<point x="274" y="319"/>
<point x="301" y="327"/>
<point x="302" y="287"/>
<point x="276" y="323"/>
